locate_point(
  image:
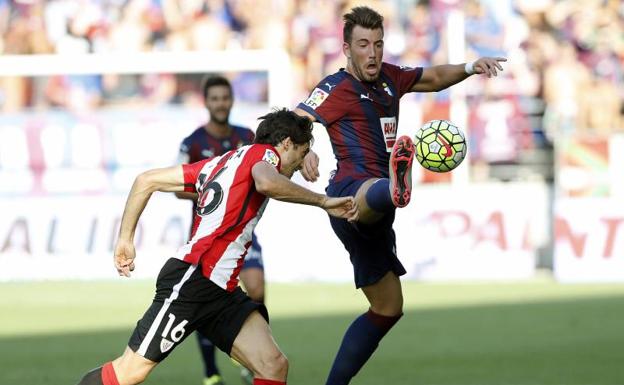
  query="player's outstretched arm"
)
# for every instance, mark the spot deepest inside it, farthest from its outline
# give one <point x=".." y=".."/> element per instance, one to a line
<point x="437" y="78"/>
<point x="271" y="183"/>
<point x="342" y="207"/>
<point x="164" y="179"/>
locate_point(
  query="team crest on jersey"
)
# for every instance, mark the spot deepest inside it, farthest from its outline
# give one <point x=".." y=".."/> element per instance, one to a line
<point x="389" y="130"/>
<point x="165" y="345"/>
<point x="387" y="88"/>
<point x="317" y="98"/>
<point x="271" y="157"/>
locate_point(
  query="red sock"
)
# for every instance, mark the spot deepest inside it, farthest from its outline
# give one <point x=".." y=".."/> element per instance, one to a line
<point x="108" y="374"/>
<point x="260" y="381"/>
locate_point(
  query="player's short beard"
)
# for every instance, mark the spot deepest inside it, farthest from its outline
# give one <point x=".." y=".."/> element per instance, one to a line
<point x="360" y="72"/>
<point x="225" y="120"/>
<point x="366" y="77"/>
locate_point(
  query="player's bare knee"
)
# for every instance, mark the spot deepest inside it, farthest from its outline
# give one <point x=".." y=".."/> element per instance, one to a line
<point x="387" y="310"/>
<point x="273" y="365"/>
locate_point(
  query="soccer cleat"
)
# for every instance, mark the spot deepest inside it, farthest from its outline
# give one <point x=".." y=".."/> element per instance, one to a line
<point x="215" y="379"/>
<point x="401" y="171"/>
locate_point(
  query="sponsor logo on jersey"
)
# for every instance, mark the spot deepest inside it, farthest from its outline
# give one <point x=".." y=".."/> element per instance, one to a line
<point x="389" y="130"/>
<point x="165" y="345"/>
<point x="330" y="86"/>
<point x="317" y="98"/>
<point x="207" y="153"/>
<point x="367" y="96"/>
<point x="407" y="68"/>
<point x="270" y="157"/>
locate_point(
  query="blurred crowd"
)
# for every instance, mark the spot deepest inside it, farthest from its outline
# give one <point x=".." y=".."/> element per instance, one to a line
<point x="565" y="54"/>
<point x="564" y="73"/>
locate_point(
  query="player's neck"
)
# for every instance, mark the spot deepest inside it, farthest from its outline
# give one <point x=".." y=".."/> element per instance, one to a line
<point x="218" y="130"/>
<point x="350" y="71"/>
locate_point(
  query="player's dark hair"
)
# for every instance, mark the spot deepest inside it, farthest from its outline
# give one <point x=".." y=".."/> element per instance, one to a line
<point x="365" y="17"/>
<point x="281" y="124"/>
<point x="214" y="81"/>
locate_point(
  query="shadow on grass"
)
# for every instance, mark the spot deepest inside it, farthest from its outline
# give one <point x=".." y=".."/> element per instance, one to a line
<point x="564" y="343"/>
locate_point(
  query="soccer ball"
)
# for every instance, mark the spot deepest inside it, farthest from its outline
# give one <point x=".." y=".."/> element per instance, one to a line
<point x="440" y="145"/>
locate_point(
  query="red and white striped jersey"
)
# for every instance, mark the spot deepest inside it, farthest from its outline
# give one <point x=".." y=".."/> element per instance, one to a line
<point x="228" y="209"/>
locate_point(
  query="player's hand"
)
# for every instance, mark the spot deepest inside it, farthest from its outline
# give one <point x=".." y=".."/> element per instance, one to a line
<point x="488" y="66"/>
<point x="343" y="207"/>
<point x="310" y="170"/>
<point x="124" y="257"/>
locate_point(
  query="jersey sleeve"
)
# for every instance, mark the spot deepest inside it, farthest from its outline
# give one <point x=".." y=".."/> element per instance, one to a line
<point x="403" y="77"/>
<point x="326" y="102"/>
<point x="191" y="172"/>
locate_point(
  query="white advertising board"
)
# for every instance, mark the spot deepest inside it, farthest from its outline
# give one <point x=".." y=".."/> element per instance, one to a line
<point x="478" y="232"/>
<point x="589" y="240"/>
<point x="474" y="232"/>
<point x="72" y="237"/>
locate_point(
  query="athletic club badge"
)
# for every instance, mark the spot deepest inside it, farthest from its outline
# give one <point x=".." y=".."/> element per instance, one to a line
<point x="165" y="345"/>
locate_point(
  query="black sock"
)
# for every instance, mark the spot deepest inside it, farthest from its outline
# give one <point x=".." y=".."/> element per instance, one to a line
<point x="358" y="345"/>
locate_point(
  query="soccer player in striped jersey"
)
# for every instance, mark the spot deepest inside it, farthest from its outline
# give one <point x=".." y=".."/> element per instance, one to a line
<point x="198" y="288"/>
<point x="359" y="106"/>
<point x="215" y="138"/>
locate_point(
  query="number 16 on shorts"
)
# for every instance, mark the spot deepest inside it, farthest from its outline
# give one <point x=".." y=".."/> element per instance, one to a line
<point x="172" y="334"/>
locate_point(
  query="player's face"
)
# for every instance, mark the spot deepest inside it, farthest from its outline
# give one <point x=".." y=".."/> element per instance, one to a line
<point x="219" y="103"/>
<point x="292" y="158"/>
<point x="364" y="53"/>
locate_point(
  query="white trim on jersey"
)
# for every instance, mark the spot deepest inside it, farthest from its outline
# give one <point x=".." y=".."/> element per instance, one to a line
<point x="234" y="182"/>
<point x="175" y="292"/>
<point x="225" y="266"/>
<point x="185" y="249"/>
<point x="209" y="223"/>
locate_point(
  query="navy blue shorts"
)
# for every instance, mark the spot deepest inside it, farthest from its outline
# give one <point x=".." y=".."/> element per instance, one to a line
<point x="372" y="248"/>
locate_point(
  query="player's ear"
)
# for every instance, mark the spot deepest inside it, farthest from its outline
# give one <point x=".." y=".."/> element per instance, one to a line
<point x="285" y="143"/>
<point x="346" y="49"/>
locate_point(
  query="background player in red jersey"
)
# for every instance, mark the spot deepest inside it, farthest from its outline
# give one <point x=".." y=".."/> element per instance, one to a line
<point x="215" y="138"/>
<point x="359" y="106"/>
<point x="198" y="289"/>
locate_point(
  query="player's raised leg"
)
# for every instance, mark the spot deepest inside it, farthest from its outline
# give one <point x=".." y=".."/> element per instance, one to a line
<point x="378" y="196"/>
<point x="255" y="348"/>
<point x="129" y="369"/>
<point x="400" y="169"/>
<point x="363" y="336"/>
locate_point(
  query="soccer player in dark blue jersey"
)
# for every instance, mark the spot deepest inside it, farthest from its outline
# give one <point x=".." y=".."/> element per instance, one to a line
<point x="215" y="138"/>
<point x="359" y="106"/>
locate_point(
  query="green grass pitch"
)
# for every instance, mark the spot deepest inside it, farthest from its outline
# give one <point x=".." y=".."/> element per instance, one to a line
<point x="531" y="333"/>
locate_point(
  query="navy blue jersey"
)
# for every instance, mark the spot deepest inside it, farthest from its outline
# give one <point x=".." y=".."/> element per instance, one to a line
<point x="201" y="145"/>
<point x="361" y="118"/>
